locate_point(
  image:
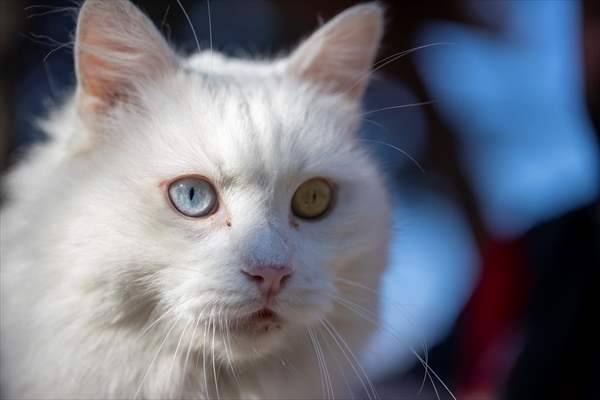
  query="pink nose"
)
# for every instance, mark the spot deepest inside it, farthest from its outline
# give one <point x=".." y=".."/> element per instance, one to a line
<point x="268" y="278"/>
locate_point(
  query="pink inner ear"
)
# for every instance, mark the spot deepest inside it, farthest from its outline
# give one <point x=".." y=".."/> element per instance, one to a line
<point x="117" y="46"/>
<point x="99" y="77"/>
<point x="339" y="55"/>
<point x="339" y="68"/>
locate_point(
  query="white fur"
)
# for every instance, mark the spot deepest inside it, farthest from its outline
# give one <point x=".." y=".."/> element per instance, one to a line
<point x="92" y="254"/>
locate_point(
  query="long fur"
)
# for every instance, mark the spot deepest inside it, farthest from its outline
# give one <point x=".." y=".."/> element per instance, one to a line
<point x="108" y="293"/>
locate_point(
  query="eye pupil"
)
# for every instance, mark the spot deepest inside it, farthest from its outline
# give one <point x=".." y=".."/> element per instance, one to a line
<point x="193" y="196"/>
<point x="312" y="199"/>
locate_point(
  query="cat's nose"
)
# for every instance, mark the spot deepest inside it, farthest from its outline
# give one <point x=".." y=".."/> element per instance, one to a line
<point x="268" y="278"/>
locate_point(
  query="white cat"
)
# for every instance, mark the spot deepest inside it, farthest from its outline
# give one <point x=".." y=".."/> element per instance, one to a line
<point x="196" y="227"/>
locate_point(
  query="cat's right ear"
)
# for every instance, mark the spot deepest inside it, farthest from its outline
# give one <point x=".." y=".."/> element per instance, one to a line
<point x="339" y="55"/>
<point x="116" y="48"/>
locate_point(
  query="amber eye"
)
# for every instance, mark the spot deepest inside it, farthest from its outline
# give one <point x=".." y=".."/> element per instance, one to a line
<point x="312" y="199"/>
<point x="193" y="196"/>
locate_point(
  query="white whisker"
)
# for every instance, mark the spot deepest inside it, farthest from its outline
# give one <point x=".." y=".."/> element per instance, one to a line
<point x="402" y="308"/>
<point x="62" y="46"/>
<point x="210" y="35"/>
<point x="360" y="311"/>
<point x="213" y="357"/>
<point x="204" y="350"/>
<point x="163" y="22"/>
<point x="38" y="39"/>
<point x="352" y="360"/>
<point x="187" y="17"/>
<point x="189" y="349"/>
<point x="403" y="152"/>
<point x="319" y="362"/>
<point x="330" y="384"/>
<point x="177" y="349"/>
<point x="347" y="304"/>
<point x="51" y="10"/>
<point x="390" y="59"/>
<point x="377" y="124"/>
<point x="157" y="320"/>
<point x="340" y="368"/>
<point x="422" y="103"/>
<point x="230" y="353"/>
<point x="154" y="359"/>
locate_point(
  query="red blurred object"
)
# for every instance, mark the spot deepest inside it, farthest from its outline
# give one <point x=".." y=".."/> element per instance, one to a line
<point x="490" y="341"/>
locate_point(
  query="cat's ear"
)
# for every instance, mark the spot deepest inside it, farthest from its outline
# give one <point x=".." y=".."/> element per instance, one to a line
<point x="116" y="48"/>
<point x="340" y="54"/>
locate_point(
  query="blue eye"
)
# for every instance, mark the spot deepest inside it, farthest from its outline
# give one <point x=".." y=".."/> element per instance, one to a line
<point x="193" y="196"/>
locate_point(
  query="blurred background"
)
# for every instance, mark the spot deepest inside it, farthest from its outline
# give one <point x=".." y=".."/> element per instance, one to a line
<point x="495" y="178"/>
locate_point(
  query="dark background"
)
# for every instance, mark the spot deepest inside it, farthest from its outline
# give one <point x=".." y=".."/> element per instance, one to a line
<point x="539" y="283"/>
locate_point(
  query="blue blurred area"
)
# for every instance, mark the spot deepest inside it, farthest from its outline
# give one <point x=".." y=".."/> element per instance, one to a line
<point x="433" y="267"/>
<point x="516" y="102"/>
<point x="433" y="258"/>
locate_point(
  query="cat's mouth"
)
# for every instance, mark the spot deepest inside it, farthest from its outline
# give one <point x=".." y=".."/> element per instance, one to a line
<point x="259" y="322"/>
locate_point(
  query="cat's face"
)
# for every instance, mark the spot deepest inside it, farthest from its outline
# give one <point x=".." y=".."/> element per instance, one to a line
<point x="229" y="195"/>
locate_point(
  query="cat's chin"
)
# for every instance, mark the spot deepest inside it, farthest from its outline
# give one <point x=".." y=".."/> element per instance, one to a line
<point x="257" y="335"/>
<point x="263" y="327"/>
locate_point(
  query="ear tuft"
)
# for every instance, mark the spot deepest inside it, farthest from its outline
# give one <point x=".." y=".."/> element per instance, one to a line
<point x="339" y="55"/>
<point x="116" y="47"/>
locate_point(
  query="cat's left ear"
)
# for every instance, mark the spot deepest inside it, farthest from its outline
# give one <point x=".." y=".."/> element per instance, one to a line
<point x="116" y="48"/>
<point x="338" y="56"/>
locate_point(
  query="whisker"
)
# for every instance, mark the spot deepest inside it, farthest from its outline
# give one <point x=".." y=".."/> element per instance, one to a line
<point x="177" y="349"/>
<point x="36" y="38"/>
<point x="44" y="6"/>
<point x="360" y="311"/>
<point x="213" y="357"/>
<point x="324" y="365"/>
<point x="62" y="46"/>
<point x="403" y="152"/>
<point x="157" y="320"/>
<point x="352" y="360"/>
<point x="390" y="59"/>
<point x="187" y="354"/>
<point x="230" y="353"/>
<point x="435" y="389"/>
<point x="426" y="374"/>
<point x="210" y="36"/>
<point x="359" y="285"/>
<point x="343" y="302"/>
<point x="51" y="10"/>
<point x="319" y="362"/>
<point x="401" y="307"/>
<point x="204" y="350"/>
<point x="377" y="124"/>
<point x="331" y="392"/>
<point x="163" y="23"/>
<point x="154" y="358"/>
<point x="422" y="103"/>
<point x="187" y="17"/>
<point x="340" y="368"/>
<point x="384" y="60"/>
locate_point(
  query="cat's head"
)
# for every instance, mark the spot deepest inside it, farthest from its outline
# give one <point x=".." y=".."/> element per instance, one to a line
<point x="213" y="189"/>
